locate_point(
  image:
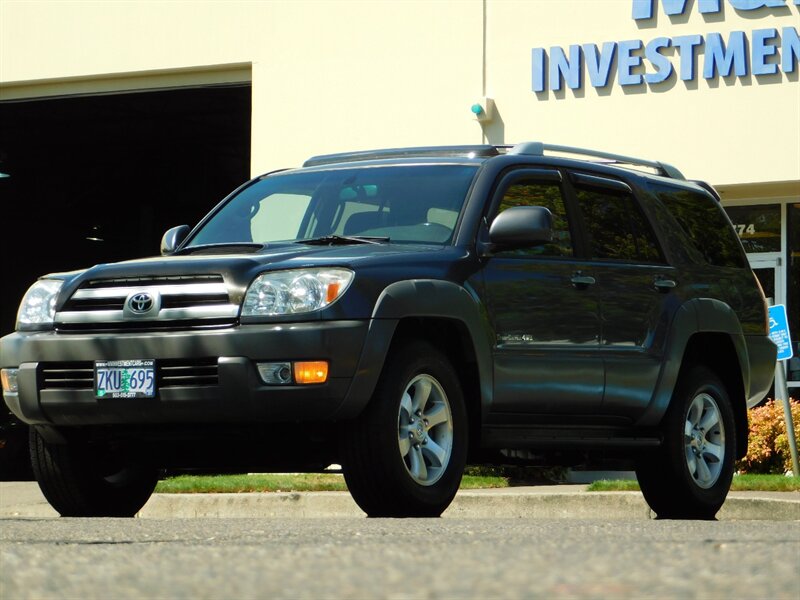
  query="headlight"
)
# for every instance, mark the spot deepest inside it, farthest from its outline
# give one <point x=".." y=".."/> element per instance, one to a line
<point x="294" y="292"/>
<point x="38" y="307"/>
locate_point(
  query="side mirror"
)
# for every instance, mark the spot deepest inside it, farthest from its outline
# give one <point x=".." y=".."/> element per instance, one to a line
<point x="173" y="238"/>
<point x="522" y="226"/>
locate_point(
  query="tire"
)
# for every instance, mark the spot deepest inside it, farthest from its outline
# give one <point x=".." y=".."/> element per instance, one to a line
<point x="79" y="481"/>
<point x="689" y="477"/>
<point x="405" y="455"/>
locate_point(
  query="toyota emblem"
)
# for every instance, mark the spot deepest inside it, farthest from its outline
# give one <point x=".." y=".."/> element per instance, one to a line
<point x="141" y="303"/>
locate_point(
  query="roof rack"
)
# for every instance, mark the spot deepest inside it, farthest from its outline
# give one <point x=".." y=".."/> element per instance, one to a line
<point x="539" y="148"/>
<point x="487" y="151"/>
<point x="484" y="150"/>
<point x="709" y="188"/>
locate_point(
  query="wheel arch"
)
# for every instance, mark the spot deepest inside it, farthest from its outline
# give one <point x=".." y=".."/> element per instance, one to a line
<point x="442" y="313"/>
<point x="717" y="352"/>
<point x="705" y="332"/>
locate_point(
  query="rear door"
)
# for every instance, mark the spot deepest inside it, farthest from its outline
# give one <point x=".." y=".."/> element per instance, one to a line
<point x="634" y="288"/>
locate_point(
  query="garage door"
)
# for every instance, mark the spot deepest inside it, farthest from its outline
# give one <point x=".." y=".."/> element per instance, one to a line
<point x="99" y="178"/>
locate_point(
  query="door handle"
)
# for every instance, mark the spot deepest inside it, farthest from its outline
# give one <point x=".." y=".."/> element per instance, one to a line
<point x="580" y="280"/>
<point x="664" y="285"/>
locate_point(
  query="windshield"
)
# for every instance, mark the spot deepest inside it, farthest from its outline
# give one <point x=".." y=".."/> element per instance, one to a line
<point x="411" y="203"/>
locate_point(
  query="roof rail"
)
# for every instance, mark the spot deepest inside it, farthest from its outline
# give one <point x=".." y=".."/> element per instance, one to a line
<point x="539" y="148"/>
<point x="709" y="188"/>
<point x="483" y="150"/>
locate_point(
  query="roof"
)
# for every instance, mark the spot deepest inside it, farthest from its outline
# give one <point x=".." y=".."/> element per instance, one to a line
<point x="488" y="151"/>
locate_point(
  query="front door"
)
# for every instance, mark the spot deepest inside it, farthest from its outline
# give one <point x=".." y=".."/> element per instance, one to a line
<point x="545" y="314"/>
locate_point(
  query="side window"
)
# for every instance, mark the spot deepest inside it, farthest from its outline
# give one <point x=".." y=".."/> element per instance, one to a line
<point x="547" y="194"/>
<point x="706" y="225"/>
<point x="616" y="227"/>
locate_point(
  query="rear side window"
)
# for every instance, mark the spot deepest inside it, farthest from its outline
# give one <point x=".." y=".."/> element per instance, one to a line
<point x="706" y="225"/>
<point x="616" y="227"/>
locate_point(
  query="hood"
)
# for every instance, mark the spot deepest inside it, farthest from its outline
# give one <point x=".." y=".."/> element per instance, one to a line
<point x="238" y="270"/>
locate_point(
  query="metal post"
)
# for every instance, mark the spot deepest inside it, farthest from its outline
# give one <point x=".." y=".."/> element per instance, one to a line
<point x="782" y="389"/>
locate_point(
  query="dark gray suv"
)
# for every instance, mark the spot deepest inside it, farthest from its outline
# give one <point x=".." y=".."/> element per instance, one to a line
<point x="404" y="313"/>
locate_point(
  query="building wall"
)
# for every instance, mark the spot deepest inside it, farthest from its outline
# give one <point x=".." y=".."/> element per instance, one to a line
<point x="335" y="75"/>
<point x="327" y="76"/>
<point x="731" y="130"/>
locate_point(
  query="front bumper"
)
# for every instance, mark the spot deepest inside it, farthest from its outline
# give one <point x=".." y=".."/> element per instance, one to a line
<point x="229" y="390"/>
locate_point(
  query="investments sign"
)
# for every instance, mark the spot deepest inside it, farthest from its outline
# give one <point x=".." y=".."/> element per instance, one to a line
<point x="765" y="51"/>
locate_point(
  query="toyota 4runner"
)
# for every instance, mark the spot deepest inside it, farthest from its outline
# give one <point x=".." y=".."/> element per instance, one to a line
<point x="403" y="313"/>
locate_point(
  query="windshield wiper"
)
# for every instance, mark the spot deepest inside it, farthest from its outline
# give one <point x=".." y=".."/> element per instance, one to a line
<point x="337" y="240"/>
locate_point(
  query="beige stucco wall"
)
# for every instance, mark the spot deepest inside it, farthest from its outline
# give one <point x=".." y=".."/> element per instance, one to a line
<point x="725" y="132"/>
<point x="336" y="75"/>
<point x="327" y="75"/>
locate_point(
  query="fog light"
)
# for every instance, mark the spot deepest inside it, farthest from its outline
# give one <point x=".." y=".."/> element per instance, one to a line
<point x="275" y="373"/>
<point x="9" y="378"/>
<point x="311" y="372"/>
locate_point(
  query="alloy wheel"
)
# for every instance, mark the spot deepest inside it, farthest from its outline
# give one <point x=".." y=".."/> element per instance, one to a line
<point x="425" y="430"/>
<point x="704" y="440"/>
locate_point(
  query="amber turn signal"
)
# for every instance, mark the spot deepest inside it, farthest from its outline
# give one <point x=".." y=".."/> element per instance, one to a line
<point x="311" y="372"/>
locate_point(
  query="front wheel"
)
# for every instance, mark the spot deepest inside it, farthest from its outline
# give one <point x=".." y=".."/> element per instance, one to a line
<point x="690" y="476"/>
<point x="404" y="456"/>
<point x="80" y="481"/>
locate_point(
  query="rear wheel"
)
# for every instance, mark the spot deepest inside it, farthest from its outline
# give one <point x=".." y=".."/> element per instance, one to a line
<point x="404" y="456"/>
<point x="690" y="476"/>
<point x="79" y="481"/>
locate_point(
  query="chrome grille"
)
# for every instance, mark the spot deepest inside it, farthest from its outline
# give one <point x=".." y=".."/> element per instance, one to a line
<point x="191" y="372"/>
<point x="197" y="372"/>
<point x="175" y="302"/>
<point x="67" y="376"/>
<point x="156" y="280"/>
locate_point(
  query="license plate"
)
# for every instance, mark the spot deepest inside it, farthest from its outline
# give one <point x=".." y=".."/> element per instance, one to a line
<point x="125" y="378"/>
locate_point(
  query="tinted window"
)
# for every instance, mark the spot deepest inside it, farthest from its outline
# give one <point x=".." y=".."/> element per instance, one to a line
<point x="412" y="203"/>
<point x="706" y="225"/>
<point x="616" y="227"/>
<point x="533" y="193"/>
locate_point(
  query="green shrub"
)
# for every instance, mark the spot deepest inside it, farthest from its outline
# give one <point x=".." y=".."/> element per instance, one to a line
<point x="520" y="475"/>
<point x="768" y="450"/>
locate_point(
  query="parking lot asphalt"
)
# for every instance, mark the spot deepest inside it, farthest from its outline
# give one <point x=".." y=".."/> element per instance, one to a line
<point x="23" y="499"/>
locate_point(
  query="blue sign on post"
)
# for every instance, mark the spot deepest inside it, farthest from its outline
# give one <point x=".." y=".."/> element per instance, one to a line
<point x="779" y="331"/>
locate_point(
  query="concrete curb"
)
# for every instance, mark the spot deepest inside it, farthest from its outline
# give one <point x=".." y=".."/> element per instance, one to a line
<point x="467" y="505"/>
<point x="545" y="502"/>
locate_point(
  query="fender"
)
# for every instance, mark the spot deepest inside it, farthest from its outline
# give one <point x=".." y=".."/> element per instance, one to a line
<point x="699" y="315"/>
<point x="417" y="298"/>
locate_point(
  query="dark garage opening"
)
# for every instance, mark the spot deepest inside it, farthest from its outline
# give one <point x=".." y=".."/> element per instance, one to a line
<point x="95" y="179"/>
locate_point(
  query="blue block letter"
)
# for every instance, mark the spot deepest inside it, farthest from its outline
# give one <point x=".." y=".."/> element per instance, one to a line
<point x="686" y="45"/>
<point x="568" y="70"/>
<point x="599" y="64"/>
<point x="659" y="61"/>
<point x="756" y="4"/>
<point x="719" y="59"/>
<point x="643" y="9"/>
<point x="627" y="61"/>
<point x="790" y="49"/>
<point x="764" y="45"/>
<point x="537" y="69"/>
